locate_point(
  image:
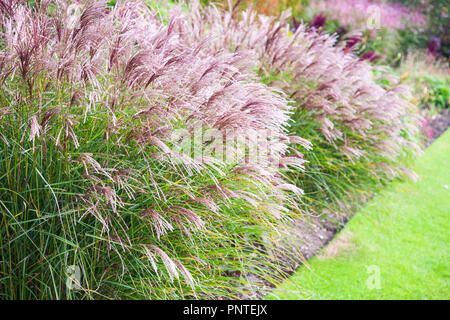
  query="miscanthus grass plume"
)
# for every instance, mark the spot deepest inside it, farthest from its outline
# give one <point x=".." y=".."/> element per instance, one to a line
<point x="92" y="178"/>
<point x="360" y="121"/>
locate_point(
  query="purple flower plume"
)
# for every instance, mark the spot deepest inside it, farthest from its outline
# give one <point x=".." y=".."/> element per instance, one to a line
<point x="318" y="21"/>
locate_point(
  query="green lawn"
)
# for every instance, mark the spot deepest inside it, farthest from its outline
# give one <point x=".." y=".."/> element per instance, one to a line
<point x="396" y="248"/>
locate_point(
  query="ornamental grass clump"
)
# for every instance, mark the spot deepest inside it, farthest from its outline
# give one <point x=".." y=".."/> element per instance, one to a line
<point x="98" y="196"/>
<point x="362" y="127"/>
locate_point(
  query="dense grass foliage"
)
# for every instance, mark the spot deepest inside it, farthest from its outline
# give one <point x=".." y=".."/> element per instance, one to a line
<point x="429" y="78"/>
<point x="117" y="125"/>
<point x="90" y="170"/>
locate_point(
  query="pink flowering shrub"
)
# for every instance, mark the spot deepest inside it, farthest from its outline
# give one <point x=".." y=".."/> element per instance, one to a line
<point x="127" y="146"/>
<point x="91" y="172"/>
<point x="355" y="14"/>
<point x="385" y="29"/>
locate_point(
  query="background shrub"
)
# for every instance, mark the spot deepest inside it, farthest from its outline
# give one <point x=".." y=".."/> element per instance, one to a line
<point x="387" y="29"/>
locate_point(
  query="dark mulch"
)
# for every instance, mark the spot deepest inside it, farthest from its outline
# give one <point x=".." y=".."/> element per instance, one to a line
<point x="439" y="124"/>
